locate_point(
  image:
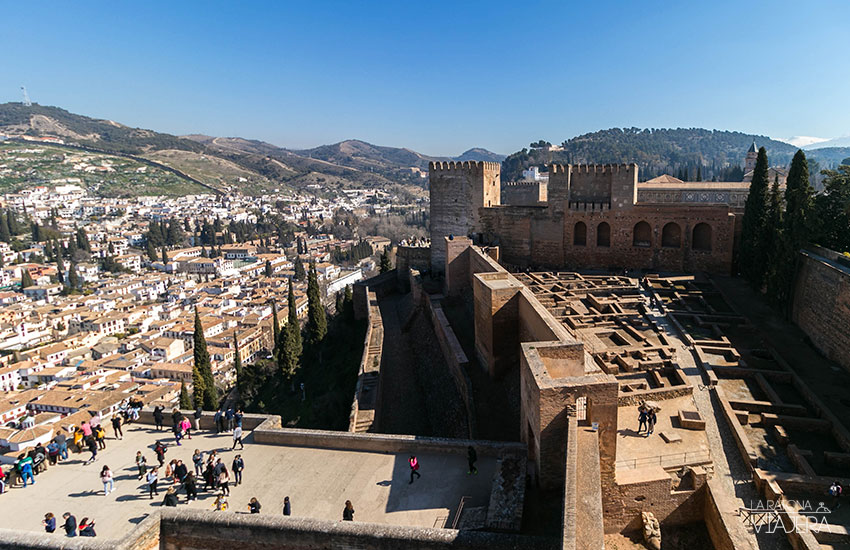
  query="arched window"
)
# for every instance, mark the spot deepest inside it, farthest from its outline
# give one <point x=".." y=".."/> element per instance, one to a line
<point x="671" y="236"/>
<point x="642" y="235"/>
<point x="603" y="234"/>
<point x="580" y="234"/>
<point x="702" y="237"/>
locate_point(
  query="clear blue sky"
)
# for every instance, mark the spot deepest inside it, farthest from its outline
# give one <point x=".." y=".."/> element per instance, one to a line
<point x="438" y="77"/>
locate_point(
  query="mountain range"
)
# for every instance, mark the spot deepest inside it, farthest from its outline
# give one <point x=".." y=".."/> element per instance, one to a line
<point x="257" y="167"/>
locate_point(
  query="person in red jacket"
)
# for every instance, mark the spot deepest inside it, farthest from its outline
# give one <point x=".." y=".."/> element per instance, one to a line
<point x="414" y="467"/>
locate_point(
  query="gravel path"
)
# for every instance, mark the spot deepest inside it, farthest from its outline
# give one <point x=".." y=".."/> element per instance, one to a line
<point x="729" y="467"/>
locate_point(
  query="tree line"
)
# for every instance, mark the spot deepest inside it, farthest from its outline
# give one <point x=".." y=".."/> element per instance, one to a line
<point x="776" y="225"/>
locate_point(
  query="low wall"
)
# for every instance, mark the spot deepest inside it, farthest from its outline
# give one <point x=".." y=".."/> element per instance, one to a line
<point x="569" y="536"/>
<point x="821" y="306"/>
<point x="191" y="529"/>
<point x="724" y="526"/>
<point x="454" y="355"/>
<point x="368" y="389"/>
<point x="655" y="394"/>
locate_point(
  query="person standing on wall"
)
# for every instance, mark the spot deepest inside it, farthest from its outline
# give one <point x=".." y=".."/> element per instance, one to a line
<point x="348" y="511"/>
<point x="414" y="467"/>
<point x="287" y="507"/>
<point x="157" y="417"/>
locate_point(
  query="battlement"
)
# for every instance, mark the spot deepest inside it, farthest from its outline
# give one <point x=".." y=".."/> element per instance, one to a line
<point x="463" y="166"/>
<point x="522" y="183"/>
<point x="626" y="168"/>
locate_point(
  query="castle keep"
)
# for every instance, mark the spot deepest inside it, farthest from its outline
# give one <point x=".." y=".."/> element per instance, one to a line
<point x="588" y="216"/>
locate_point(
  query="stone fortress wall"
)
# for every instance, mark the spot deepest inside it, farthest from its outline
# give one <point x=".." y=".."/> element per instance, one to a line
<point x="591" y="219"/>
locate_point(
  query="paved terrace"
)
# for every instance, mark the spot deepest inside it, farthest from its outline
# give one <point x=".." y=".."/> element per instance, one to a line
<point x="317" y="480"/>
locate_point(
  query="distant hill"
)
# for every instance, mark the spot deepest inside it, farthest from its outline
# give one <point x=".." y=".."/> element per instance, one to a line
<point x="840" y="142"/>
<point x="716" y="153"/>
<point x="477" y="153"/>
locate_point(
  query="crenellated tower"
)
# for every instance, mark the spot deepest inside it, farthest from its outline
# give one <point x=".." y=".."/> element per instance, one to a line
<point x="458" y="190"/>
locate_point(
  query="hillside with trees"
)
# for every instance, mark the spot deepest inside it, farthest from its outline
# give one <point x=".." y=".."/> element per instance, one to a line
<point x="688" y="153"/>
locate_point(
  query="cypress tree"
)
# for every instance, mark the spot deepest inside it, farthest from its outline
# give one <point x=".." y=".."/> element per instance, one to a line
<point x="60" y="268"/>
<point x="5" y="235"/>
<point x="275" y="326"/>
<point x="317" y="324"/>
<point x="833" y="209"/>
<point x="26" y="279"/>
<point x="73" y="278"/>
<point x="185" y="402"/>
<point x="237" y="365"/>
<point x="774" y="235"/>
<point x="753" y="257"/>
<point x="300" y="274"/>
<point x="72" y="248"/>
<point x="269" y="272"/>
<point x="164" y="256"/>
<point x="289" y="347"/>
<point x="151" y="252"/>
<point x="348" y="303"/>
<point x="198" y="389"/>
<point x="797" y="227"/>
<point x="202" y="362"/>
<point x="386" y="264"/>
<point x="292" y="322"/>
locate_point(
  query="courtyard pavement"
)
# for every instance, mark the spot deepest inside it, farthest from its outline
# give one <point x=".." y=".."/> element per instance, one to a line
<point x="318" y="482"/>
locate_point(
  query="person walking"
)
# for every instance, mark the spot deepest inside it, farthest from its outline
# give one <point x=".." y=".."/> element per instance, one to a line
<point x="254" y="505"/>
<point x="237" y="467"/>
<point x="186" y="426"/>
<point x="835" y="491"/>
<point x="92" y="445"/>
<point x="141" y="464"/>
<point x="178" y="433"/>
<point x="100" y="437"/>
<point x="107" y="479"/>
<point x="348" y="511"/>
<point x="70" y="525"/>
<point x="471" y="459"/>
<point x="198" y="461"/>
<point x="196" y="418"/>
<point x="651" y="419"/>
<point x="224" y="481"/>
<point x="191" y="487"/>
<point x="643" y="418"/>
<point x="152" y="478"/>
<point x="49" y="523"/>
<point x="157" y="417"/>
<point x="160" y="450"/>
<point x="414" y="467"/>
<point x="237" y="438"/>
<point x="116" y="426"/>
<point x="170" y="497"/>
<point x="287" y="507"/>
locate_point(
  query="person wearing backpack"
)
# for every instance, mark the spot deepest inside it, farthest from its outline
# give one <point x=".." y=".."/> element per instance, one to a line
<point x="835" y="491"/>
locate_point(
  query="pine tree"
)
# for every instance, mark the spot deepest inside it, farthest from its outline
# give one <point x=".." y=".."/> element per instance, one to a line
<point x="317" y="324"/>
<point x="275" y="326"/>
<point x="185" y="402"/>
<point x="198" y="389"/>
<point x="202" y="362"/>
<point x="26" y="279"/>
<point x="798" y="227"/>
<point x="753" y="257"/>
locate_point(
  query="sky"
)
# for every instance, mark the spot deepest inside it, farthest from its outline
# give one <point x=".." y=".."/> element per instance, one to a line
<point x="437" y="77"/>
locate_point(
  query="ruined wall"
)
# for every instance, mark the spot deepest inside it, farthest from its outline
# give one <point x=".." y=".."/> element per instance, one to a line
<point x="410" y="257"/>
<point x="822" y="302"/>
<point x="458" y="190"/>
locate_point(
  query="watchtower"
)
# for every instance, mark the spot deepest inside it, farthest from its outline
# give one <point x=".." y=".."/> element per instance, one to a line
<point x="458" y="190"/>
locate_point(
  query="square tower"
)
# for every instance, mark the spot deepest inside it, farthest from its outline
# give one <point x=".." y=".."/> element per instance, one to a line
<point x="458" y="190"/>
